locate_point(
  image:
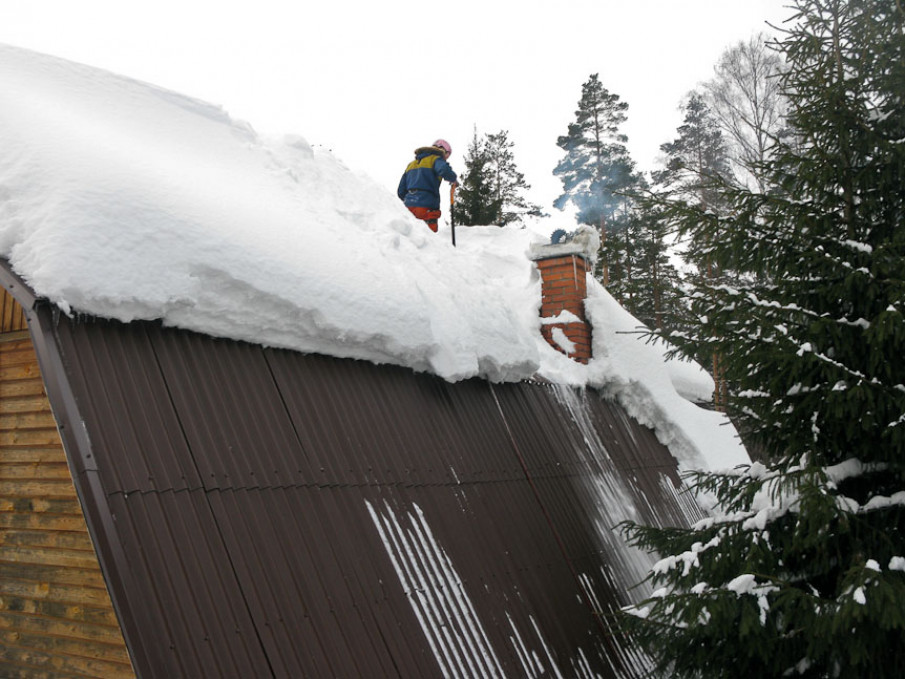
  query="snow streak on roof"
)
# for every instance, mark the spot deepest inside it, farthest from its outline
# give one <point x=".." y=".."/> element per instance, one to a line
<point x="123" y="200"/>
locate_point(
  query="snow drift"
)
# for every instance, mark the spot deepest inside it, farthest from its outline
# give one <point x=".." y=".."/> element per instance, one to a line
<point x="127" y="201"/>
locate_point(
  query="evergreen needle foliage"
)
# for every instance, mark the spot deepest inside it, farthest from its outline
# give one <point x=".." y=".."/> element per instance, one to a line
<point x="492" y="189"/>
<point x="599" y="180"/>
<point x="596" y="168"/>
<point x="476" y="201"/>
<point x="801" y="569"/>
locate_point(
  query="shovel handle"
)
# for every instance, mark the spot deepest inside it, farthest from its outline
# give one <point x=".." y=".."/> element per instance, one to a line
<point x="452" y="202"/>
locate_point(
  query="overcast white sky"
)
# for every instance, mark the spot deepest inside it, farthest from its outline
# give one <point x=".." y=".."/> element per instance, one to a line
<point x="372" y="80"/>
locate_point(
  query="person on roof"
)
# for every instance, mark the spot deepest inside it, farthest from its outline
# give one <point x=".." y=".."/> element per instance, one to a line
<point x="419" y="188"/>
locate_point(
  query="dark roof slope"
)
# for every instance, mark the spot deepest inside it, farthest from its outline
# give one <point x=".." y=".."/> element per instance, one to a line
<point x="266" y="513"/>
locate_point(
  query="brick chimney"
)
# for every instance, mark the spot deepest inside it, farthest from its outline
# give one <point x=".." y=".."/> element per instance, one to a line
<point x="563" y="266"/>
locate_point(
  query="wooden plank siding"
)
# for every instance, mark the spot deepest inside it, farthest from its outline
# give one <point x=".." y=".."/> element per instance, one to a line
<point x="56" y="618"/>
<point x="12" y="316"/>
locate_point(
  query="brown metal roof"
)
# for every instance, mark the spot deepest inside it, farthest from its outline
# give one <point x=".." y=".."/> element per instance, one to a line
<point x="260" y="512"/>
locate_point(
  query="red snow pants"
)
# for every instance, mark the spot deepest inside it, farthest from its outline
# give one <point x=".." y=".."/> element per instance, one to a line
<point x="429" y="216"/>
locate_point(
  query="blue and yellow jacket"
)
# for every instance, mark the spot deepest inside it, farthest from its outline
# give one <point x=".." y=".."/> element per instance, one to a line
<point x="420" y="183"/>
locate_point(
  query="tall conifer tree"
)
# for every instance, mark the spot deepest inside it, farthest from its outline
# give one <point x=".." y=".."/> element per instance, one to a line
<point x="697" y="165"/>
<point x="697" y="161"/>
<point x="801" y="569"/>
<point x="597" y="171"/>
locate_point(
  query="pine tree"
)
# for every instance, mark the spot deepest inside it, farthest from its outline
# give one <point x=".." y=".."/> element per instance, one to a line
<point x="597" y="171"/>
<point x="697" y="159"/>
<point x="801" y="569"/>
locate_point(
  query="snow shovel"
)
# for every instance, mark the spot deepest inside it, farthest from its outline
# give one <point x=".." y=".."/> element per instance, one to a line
<point x="452" y="221"/>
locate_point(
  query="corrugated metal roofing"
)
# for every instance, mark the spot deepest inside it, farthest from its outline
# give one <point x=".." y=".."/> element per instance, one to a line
<point x="265" y="513"/>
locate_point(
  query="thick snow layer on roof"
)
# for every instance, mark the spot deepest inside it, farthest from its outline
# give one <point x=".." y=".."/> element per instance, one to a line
<point x="126" y="201"/>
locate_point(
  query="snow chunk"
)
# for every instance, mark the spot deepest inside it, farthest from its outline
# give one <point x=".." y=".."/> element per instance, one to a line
<point x="743" y="584"/>
<point x="858" y="245"/>
<point x="763" y="517"/>
<point x="685" y="560"/>
<point x="564" y="316"/>
<point x="562" y="341"/>
<point x="883" y="501"/>
<point x="803" y="665"/>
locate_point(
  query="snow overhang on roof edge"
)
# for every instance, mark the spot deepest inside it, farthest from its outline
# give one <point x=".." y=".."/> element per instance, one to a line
<point x="18" y="288"/>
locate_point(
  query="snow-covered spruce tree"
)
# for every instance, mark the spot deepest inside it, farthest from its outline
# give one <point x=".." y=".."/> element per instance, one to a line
<point x="801" y="569"/>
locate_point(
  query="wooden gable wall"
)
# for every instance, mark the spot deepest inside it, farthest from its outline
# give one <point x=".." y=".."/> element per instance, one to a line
<point x="56" y="618"/>
<point x="12" y="316"/>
